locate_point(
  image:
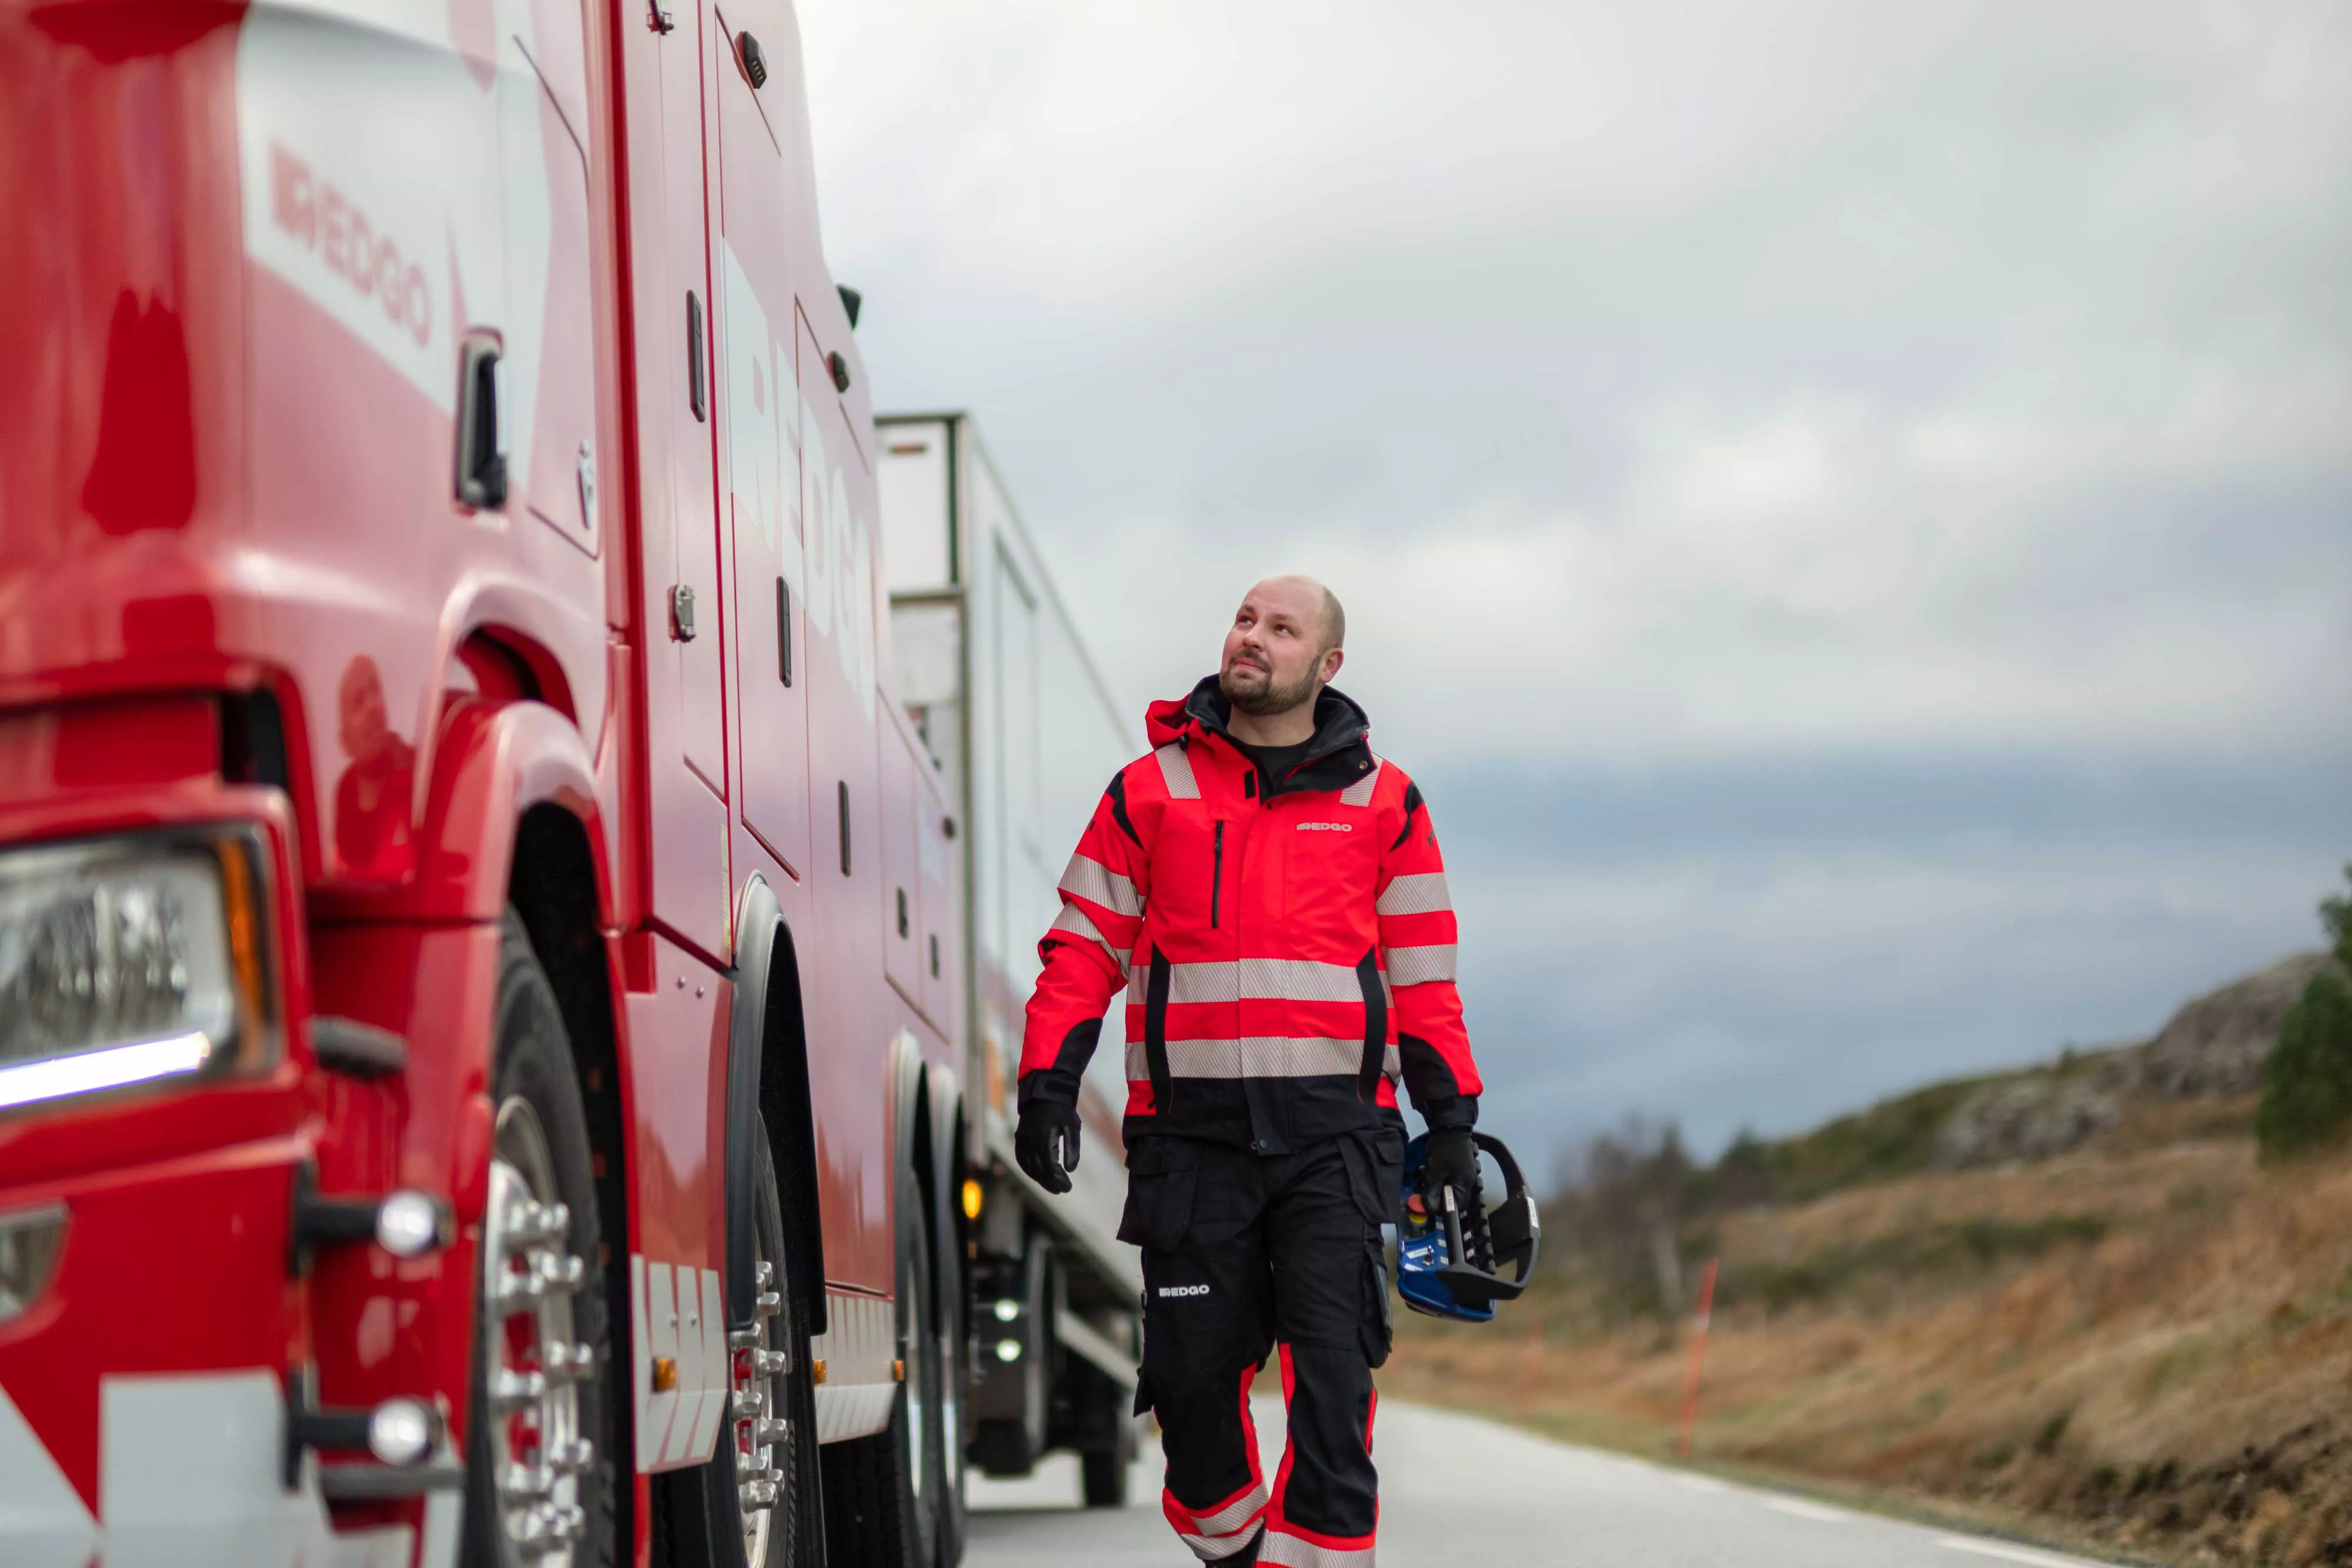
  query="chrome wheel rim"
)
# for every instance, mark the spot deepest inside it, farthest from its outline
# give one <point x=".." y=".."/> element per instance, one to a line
<point x="761" y="1420"/>
<point x="918" y="1402"/>
<point x="537" y="1454"/>
<point x="951" y="1414"/>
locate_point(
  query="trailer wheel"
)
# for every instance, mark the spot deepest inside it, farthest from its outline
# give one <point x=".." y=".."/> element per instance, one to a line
<point x="538" y="1451"/>
<point x="1103" y="1472"/>
<point x="1003" y="1445"/>
<point x="881" y="1492"/>
<point x="755" y="1504"/>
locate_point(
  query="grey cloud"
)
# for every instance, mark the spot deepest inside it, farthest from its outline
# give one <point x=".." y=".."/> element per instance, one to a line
<point x="2300" y="804"/>
<point x="1764" y="944"/>
<point x="1850" y="504"/>
<point x="1770" y="990"/>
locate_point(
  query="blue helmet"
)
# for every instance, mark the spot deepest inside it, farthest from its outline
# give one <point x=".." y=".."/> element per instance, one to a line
<point x="1449" y="1262"/>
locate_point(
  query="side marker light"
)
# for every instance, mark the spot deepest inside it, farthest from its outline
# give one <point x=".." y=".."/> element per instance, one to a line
<point x="399" y="1431"/>
<point x="409" y="1225"/>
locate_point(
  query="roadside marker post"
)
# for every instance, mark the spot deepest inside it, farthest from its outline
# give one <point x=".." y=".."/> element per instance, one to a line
<point x="1698" y="1359"/>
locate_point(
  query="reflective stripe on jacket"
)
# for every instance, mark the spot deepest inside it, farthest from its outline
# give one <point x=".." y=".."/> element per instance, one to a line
<point x="1287" y="946"/>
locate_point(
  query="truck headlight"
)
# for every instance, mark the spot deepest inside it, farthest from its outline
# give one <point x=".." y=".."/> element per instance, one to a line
<point x="134" y="958"/>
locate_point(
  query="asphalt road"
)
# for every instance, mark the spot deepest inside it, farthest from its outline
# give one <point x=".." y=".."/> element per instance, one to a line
<point x="1455" y="1490"/>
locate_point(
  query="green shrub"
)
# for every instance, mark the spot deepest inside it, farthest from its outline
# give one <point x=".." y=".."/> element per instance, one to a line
<point x="1893" y="1138"/>
<point x="2308" y="1078"/>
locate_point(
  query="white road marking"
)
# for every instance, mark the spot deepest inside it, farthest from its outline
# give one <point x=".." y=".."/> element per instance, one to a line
<point x="1811" y="1511"/>
<point x="1700" y="1483"/>
<point x="2007" y="1552"/>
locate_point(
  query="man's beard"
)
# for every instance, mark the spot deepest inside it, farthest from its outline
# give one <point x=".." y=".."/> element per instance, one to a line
<point x="1264" y="701"/>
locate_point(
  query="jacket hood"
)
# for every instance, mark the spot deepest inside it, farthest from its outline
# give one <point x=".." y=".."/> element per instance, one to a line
<point x="1340" y="725"/>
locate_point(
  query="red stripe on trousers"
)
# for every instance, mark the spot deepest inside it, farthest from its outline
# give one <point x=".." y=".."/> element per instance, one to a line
<point x="1180" y="1515"/>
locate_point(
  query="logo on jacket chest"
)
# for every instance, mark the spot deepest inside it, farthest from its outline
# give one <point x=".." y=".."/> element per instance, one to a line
<point x="1327" y="827"/>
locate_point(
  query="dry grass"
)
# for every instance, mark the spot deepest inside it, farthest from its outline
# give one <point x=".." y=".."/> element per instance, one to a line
<point x="2174" y="1388"/>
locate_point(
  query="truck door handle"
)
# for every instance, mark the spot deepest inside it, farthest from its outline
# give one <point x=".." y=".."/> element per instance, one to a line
<point x="481" y="432"/>
<point x="842" y="787"/>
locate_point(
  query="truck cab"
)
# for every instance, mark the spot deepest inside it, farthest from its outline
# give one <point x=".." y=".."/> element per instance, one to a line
<point x="473" y="1082"/>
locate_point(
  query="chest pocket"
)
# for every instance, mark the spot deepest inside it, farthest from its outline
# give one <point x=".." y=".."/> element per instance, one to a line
<point x="1185" y="876"/>
<point x="1330" y="866"/>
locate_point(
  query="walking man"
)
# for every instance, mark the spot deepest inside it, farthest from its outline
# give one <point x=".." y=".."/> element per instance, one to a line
<point x="1270" y="894"/>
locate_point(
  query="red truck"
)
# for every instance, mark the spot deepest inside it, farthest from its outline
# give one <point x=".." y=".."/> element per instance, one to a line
<point x="480" y="958"/>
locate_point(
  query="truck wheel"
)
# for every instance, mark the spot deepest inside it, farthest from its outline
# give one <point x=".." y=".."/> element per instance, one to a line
<point x="754" y="1505"/>
<point x="1012" y="1445"/>
<point x="953" y="1340"/>
<point x="539" y="1464"/>
<point x="881" y="1492"/>
<point x="1103" y="1472"/>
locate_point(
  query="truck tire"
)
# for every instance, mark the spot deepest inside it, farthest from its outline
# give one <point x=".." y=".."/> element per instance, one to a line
<point x="951" y="1336"/>
<point x="539" y="1483"/>
<point x="1010" y="1445"/>
<point x="880" y="1492"/>
<point x="755" y="1504"/>
<point x="1102" y="1475"/>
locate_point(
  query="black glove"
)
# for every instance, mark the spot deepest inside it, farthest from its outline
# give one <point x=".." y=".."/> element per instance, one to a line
<point x="1046" y="1142"/>
<point x="1450" y="1160"/>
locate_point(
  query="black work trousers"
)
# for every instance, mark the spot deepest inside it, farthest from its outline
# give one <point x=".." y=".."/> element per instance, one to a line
<point x="1243" y="1253"/>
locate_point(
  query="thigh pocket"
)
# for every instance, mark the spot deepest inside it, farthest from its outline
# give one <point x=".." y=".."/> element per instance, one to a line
<point x="1375" y="1163"/>
<point x="1378" y="1330"/>
<point x="1160" y="1177"/>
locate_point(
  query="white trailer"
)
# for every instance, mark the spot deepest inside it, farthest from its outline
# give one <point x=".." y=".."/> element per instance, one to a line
<point x="1024" y="734"/>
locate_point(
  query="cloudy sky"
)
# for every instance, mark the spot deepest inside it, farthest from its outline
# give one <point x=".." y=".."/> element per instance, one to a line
<point x="1846" y="507"/>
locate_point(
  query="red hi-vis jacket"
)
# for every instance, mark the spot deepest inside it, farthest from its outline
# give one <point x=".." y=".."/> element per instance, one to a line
<point x="1287" y="946"/>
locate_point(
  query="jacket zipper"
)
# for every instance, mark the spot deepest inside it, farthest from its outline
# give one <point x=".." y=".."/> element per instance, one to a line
<point x="1217" y="878"/>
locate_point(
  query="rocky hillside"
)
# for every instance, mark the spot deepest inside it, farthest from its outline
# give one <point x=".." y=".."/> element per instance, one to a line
<point x="2215" y="1045"/>
<point x="2211" y="1050"/>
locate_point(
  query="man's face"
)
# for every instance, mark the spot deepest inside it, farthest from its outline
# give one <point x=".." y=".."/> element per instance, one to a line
<point x="1273" y="651"/>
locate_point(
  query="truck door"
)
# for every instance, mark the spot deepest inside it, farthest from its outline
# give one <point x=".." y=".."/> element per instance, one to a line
<point x="853" y="1114"/>
<point x="687" y="74"/>
<point x="760" y="424"/>
<point x="902" y="882"/>
<point x="686" y="883"/>
<point x="942" y="956"/>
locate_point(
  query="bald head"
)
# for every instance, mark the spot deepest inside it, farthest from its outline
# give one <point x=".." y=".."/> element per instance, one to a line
<point x="1293" y="590"/>
<point x="1283" y="646"/>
